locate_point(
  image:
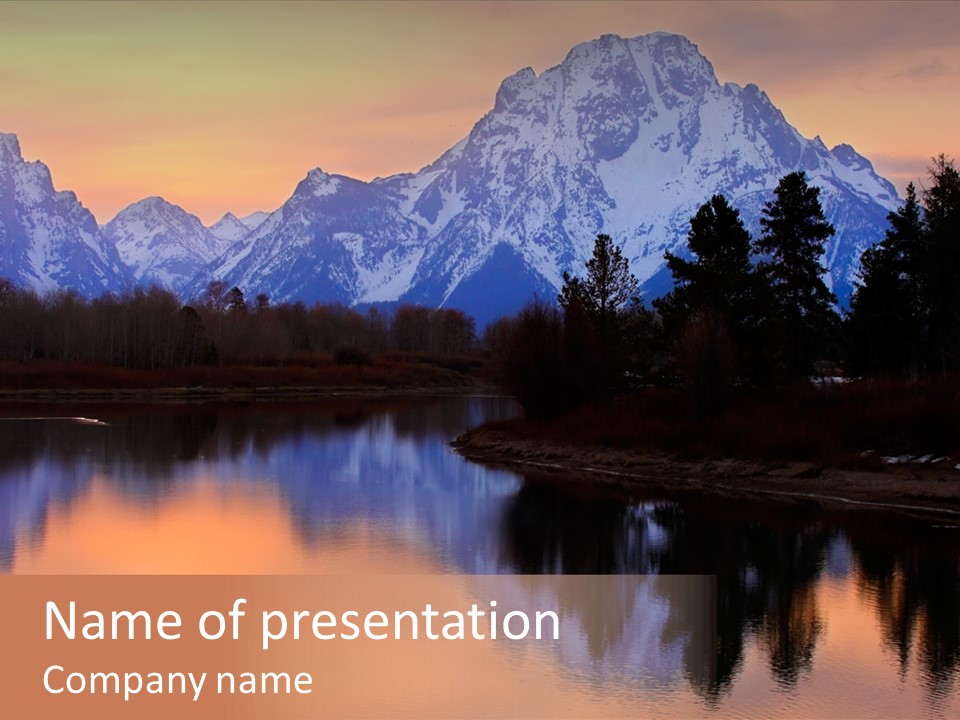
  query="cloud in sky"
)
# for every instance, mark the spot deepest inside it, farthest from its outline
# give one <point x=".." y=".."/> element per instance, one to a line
<point x="935" y="68"/>
<point x="223" y="106"/>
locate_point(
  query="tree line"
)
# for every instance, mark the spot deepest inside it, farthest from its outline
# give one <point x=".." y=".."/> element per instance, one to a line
<point x="904" y="317"/>
<point x="743" y="313"/>
<point x="150" y="329"/>
<point x="747" y="313"/>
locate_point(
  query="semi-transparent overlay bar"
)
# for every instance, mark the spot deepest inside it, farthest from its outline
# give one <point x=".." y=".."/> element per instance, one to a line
<point x="437" y="646"/>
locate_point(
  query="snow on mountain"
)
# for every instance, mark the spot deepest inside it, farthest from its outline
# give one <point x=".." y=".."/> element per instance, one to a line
<point x="335" y="240"/>
<point x="229" y="228"/>
<point x="48" y="240"/>
<point x="162" y="243"/>
<point x="625" y="136"/>
<point x="255" y="219"/>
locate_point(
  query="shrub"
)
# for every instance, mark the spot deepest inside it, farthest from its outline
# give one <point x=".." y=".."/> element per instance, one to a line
<point x="351" y="355"/>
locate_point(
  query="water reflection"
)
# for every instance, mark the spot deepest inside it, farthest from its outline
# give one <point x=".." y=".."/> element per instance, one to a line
<point x="334" y="462"/>
<point x="912" y="577"/>
<point x="383" y="465"/>
<point x="768" y="570"/>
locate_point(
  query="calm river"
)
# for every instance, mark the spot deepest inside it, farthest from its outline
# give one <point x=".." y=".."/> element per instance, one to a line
<point x="818" y="615"/>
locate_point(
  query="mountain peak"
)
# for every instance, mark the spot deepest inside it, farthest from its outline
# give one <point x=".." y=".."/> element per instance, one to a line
<point x="153" y="201"/>
<point x="674" y="54"/>
<point x="156" y="209"/>
<point x="153" y="205"/>
<point x="161" y="242"/>
<point x="229" y="227"/>
<point x="513" y="86"/>
<point x="593" y="48"/>
<point x="10" y="148"/>
<point x="48" y="240"/>
<point x="319" y="183"/>
<point x="255" y="219"/>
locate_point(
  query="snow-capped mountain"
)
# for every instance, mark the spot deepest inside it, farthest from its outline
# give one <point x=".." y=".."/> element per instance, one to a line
<point x="229" y="228"/>
<point x="255" y="219"/>
<point x="48" y="240"/>
<point x="625" y="136"/>
<point x="162" y="243"/>
<point x="335" y="240"/>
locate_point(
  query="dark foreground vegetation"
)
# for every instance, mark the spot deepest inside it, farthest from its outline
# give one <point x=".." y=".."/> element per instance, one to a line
<point x="747" y="356"/>
<point x="391" y="371"/>
<point x="852" y="426"/>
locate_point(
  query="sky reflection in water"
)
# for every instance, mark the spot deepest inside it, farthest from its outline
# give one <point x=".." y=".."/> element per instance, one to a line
<point x="855" y="615"/>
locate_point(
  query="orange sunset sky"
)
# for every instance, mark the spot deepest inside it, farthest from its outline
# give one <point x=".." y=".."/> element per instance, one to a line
<point x="226" y="106"/>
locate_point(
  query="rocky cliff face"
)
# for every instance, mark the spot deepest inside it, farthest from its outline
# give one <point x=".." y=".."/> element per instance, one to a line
<point x="48" y="240"/>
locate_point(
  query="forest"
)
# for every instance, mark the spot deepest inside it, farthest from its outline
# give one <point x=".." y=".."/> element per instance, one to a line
<point x="148" y="338"/>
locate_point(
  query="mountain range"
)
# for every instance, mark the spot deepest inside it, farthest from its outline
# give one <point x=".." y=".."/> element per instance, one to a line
<point x="625" y="136"/>
<point x="48" y="240"/>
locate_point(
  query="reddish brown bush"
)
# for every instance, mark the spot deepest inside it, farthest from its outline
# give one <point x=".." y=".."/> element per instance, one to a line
<point x="849" y="425"/>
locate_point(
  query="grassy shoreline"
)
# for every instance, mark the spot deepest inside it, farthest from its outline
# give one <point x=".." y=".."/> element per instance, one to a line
<point x="925" y="491"/>
<point x="44" y="381"/>
<point x="222" y="394"/>
<point x="834" y="446"/>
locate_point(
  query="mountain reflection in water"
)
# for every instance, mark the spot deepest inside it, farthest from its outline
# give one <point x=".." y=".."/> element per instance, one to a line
<point x="377" y="472"/>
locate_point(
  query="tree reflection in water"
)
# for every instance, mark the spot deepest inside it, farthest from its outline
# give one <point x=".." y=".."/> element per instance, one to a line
<point x="767" y="564"/>
<point x="912" y="573"/>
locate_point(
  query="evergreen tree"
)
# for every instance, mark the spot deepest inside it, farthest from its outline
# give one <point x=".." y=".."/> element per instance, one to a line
<point x="235" y="301"/>
<point x="884" y="324"/>
<point x="794" y="235"/>
<point x="595" y="347"/>
<point x="607" y="288"/>
<point x="938" y="268"/>
<point x="720" y="281"/>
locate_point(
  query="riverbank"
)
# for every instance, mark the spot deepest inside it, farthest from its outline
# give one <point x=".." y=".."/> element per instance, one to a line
<point x="51" y="382"/>
<point x="225" y="394"/>
<point x="929" y="489"/>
